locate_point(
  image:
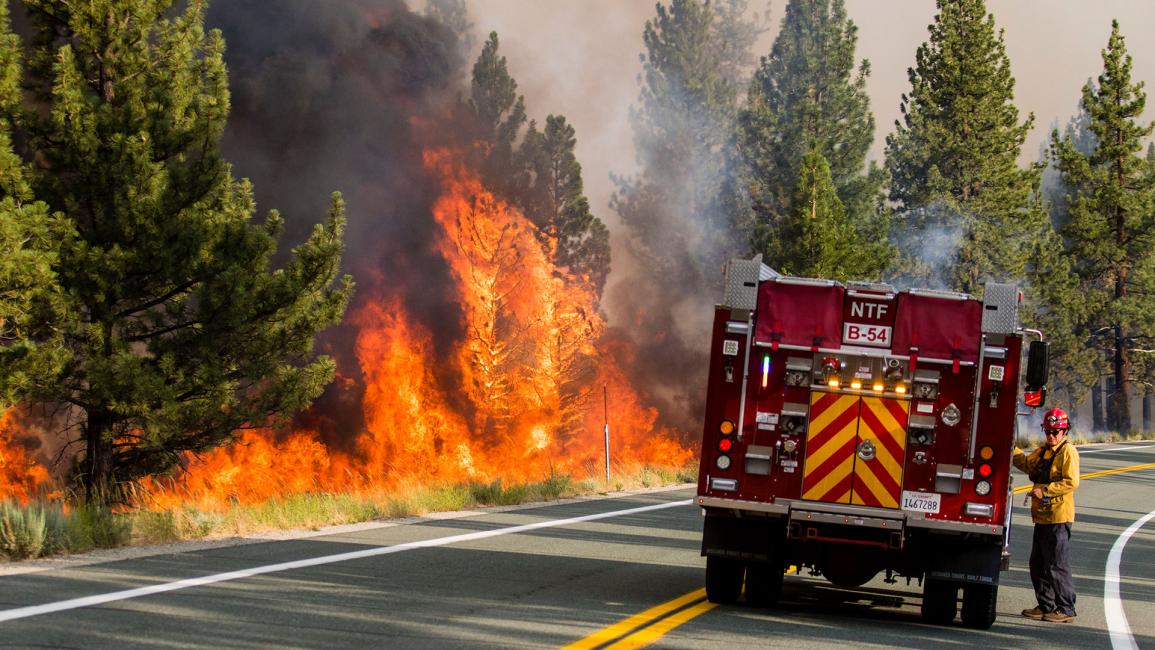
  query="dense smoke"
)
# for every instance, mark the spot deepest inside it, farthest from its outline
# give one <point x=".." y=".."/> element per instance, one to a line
<point x="330" y="97"/>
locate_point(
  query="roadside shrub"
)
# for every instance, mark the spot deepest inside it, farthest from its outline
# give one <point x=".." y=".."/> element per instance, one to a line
<point x="154" y="527"/>
<point x="22" y="530"/>
<point x="100" y="527"/>
<point x="58" y="530"/>
<point x="486" y="494"/>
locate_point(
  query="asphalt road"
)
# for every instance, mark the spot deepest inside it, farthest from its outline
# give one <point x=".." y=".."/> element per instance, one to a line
<point x="550" y="576"/>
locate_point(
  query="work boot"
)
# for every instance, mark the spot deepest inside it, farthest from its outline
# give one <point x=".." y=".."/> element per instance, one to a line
<point x="1034" y="613"/>
<point x="1057" y="617"/>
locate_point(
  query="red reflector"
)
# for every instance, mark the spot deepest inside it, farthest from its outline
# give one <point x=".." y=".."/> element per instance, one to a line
<point x="725" y="444"/>
<point x="985" y="470"/>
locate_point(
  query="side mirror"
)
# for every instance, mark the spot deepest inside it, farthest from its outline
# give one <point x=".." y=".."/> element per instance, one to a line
<point x="1038" y="369"/>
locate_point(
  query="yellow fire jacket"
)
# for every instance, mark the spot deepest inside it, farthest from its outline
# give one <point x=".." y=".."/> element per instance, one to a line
<point x="1058" y="503"/>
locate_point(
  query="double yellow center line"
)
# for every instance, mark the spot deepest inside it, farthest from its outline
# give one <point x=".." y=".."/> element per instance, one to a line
<point x="643" y="629"/>
<point x="1106" y="472"/>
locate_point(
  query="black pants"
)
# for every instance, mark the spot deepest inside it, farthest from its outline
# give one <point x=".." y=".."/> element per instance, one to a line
<point x="1051" y="568"/>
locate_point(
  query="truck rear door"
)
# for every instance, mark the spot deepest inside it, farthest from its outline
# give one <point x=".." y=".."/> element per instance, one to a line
<point x="855" y="449"/>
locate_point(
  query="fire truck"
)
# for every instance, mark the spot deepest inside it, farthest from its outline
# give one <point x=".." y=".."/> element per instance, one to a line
<point x="853" y="429"/>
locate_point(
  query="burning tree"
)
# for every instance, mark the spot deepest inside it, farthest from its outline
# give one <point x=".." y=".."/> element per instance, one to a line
<point x="476" y="339"/>
<point x="182" y="333"/>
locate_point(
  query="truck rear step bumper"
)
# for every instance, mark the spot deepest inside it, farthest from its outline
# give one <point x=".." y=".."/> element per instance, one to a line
<point x="851" y="515"/>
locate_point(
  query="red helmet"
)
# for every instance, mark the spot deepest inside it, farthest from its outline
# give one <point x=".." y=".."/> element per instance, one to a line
<point x="1056" y="419"/>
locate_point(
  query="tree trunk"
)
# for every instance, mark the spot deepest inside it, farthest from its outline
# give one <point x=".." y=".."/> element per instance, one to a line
<point x="1097" y="421"/>
<point x="1147" y="412"/>
<point x="97" y="478"/>
<point x="1121" y="400"/>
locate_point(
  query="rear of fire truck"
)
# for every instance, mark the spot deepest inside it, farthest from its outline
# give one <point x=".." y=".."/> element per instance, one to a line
<point x="853" y="429"/>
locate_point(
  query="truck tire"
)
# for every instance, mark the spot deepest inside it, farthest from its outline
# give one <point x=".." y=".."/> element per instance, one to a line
<point x="979" y="606"/>
<point x="763" y="584"/>
<point x="723" y="580"/>
<point x="939" y="601"/>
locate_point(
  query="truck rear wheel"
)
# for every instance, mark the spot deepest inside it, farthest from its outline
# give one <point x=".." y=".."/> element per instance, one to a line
<point x="763" y="584"/>
<point x="939" y="601"/>
<point x="979" y="604"/>
<point x="723" y="580"/>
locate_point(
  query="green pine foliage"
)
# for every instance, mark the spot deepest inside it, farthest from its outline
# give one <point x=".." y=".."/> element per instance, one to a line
<point x="552" y="196"/>
<point x="677" y="234"/>
<point x="738" y="29"/>
<point x="816" y="238"/>
<point x="183" y="332"/>
<point x="499" y="115"/>
<point x="953" y="155"/>
<point x="1110" y="234"/>
<point x="31" y="302"/>
<point x="1055" y="304"/>
<point x="538" y="172"/>
<point x="809" y="96"/>
<point x="686" y="106"/>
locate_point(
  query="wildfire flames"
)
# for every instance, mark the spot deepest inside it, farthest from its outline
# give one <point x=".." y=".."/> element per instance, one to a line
<point x="518" y="397"/>
<point x="20" y="476"/>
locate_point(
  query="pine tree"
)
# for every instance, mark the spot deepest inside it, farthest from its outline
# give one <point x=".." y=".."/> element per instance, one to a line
<point x="809" y="94"/>
<point x="686" y="107"/>
<point x="677" y="234"/>
<point x="953" y="155"/>
<point x="499" y="113"/>
<point x="539" y="174"/>
<point x="816" y="238"/>
<point x="183" y="334"/>
<point x="552" y="197"/>
<point x="1055" y="303"/>
<point x="737" y="31"/>
<point x="32" y="306"/>
<point x="1111" y="233"/>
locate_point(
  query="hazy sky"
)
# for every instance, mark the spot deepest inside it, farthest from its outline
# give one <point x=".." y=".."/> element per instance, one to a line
<point x="580" y="58"/>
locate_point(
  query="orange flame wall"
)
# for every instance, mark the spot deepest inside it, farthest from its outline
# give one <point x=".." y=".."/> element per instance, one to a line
<point x="524" y="396"/>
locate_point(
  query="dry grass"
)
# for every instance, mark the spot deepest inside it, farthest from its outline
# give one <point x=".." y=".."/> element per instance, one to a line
<point x="41" y="529"/>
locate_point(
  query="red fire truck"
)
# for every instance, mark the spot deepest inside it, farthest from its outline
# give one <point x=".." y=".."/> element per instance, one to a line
<point x="852" y="429"/>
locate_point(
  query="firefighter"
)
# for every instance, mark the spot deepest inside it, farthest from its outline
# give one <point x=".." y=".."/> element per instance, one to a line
<point x="1054" y="470"/>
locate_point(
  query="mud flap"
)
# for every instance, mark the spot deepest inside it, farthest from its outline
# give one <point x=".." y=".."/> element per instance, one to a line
<point x="965" y="561"/>
<point x="745" y="538"/>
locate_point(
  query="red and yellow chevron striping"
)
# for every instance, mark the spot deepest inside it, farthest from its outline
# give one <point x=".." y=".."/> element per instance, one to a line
<point x="878" y="481"/>
<point x="839" y="423"/>
<point x="830" y="443"/>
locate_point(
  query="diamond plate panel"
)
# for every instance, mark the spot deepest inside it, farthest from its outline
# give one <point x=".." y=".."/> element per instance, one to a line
<point x="742" y="283"/>
<point x="1000" y="308"/>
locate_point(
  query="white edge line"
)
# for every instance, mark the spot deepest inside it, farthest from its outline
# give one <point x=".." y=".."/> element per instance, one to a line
<point x="100" y="599"/>
<point x="1117" y="625"/>
<point x="1101" y="451"/>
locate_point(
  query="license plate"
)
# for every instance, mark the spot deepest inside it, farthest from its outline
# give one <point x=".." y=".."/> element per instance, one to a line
<point x="863" y="334"/>
<point x="921" y="501"/>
